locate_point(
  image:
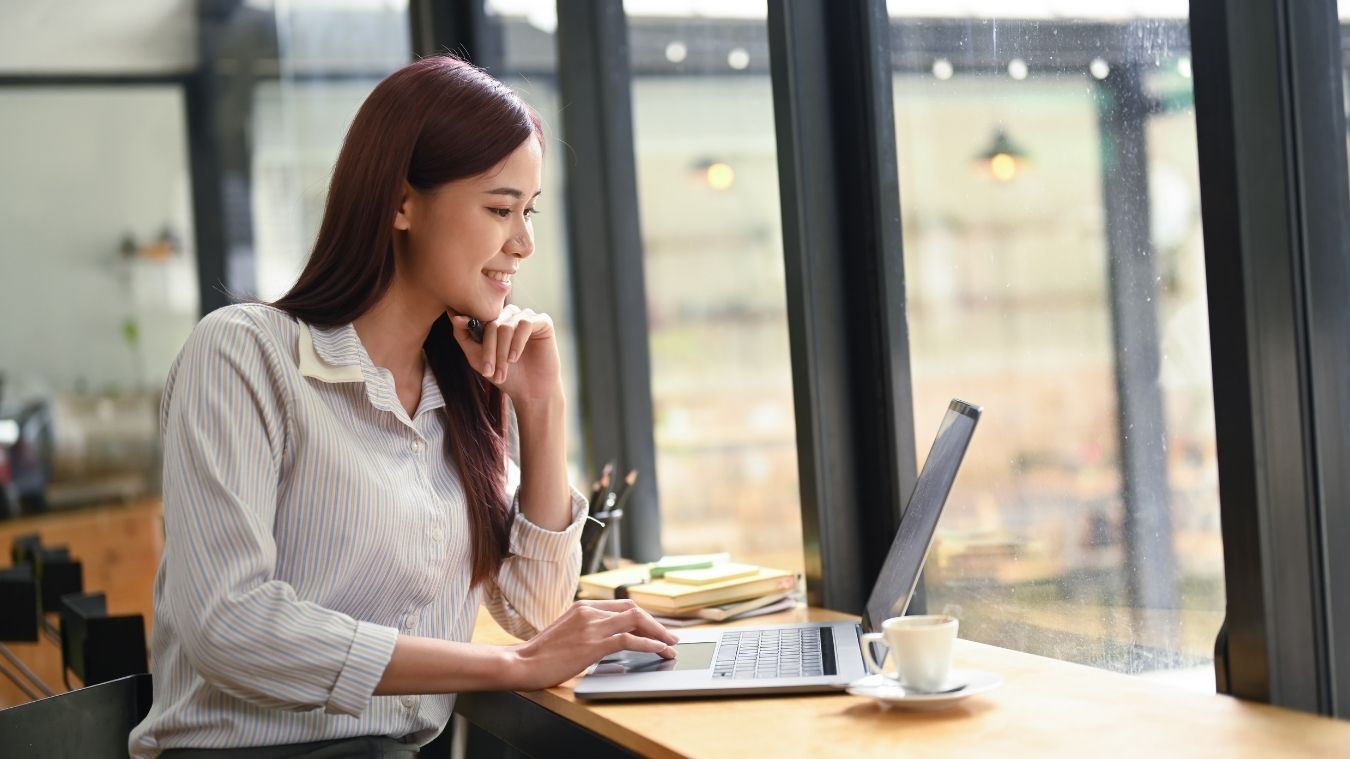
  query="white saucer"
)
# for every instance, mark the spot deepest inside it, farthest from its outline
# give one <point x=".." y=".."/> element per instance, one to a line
<point x="886" y="690"/>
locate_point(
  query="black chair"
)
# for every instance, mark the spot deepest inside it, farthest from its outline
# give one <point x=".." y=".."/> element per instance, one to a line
<point x="57" y="573"/>
<point x="89" y="722"/>
<point x="19" y="609"/>
<point x="97" y="647"/>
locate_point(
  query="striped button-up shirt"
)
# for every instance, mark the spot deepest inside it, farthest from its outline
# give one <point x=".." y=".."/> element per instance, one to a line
<point x="309" y="521"/>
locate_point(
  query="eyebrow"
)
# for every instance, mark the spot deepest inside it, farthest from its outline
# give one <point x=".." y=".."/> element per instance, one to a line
<point x="517" y="194"/>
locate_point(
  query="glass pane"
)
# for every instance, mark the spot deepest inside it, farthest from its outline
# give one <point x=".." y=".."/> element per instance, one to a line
<point x="80" y="375"/>
<point x="1055" y="274"/>
<point x="530" y="66"/>
<point x="712" y="238"/>
<point x="100" y="280"/>
<point x="328" y="56"/>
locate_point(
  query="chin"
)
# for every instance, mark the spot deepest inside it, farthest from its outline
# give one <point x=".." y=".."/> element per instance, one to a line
<point x="481" y="312"/>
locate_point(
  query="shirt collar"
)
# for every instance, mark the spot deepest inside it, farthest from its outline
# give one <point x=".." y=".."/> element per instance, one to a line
<point x="332" y="355"/>
<point x="336" y="355"/>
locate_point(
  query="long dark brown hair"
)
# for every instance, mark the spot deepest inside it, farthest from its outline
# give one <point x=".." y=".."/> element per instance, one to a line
<point x="434" y="121"/>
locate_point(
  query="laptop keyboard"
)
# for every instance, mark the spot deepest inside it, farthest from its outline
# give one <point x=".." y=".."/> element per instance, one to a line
<point x="764" y="654"/>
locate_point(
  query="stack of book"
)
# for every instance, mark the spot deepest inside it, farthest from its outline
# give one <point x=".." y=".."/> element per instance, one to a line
<point x="682" y="591"/>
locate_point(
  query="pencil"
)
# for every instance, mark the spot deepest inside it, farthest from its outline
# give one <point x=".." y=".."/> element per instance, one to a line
<point x="595" y="498"/>
<point x="600" y="488"/>
<point x="628" y="483"/>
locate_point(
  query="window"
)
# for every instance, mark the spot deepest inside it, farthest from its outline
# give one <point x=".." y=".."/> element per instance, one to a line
<point x="108" y="120"/>
<point x="97" y="255"/>
<point x="115" y="158"/>
<point x="530" y="66"/>
<point x="324" y="60"/>
<point x="708" y="193"/>
<point x="1055" y="275"/>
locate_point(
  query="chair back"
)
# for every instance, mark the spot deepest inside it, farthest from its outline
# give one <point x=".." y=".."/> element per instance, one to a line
<point x="92" y="721"/>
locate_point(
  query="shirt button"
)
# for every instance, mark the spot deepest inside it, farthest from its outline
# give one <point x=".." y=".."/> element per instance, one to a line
<point x="408" y="701"/>
<point x="417" y="446"/>
<point x="437" y="535"/>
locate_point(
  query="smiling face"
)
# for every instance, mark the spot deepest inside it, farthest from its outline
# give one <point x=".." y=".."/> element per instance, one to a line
<point x="459" y="245"/>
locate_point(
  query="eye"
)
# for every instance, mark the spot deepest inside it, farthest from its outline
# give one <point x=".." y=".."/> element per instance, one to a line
<point x="504" y="213"/>
<point x="531" y="212"/>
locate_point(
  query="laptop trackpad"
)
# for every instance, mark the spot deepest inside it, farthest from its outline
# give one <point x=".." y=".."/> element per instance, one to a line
<point x="688" y="656"/>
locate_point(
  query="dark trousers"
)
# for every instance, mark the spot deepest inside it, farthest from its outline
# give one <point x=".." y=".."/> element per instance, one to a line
<point x="365" y="747"/>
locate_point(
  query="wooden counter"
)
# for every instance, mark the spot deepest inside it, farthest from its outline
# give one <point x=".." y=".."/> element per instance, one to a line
<point x="1045" y="707"/>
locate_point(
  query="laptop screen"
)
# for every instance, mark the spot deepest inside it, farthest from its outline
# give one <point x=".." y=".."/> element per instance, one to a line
<point x="899" y="575"/>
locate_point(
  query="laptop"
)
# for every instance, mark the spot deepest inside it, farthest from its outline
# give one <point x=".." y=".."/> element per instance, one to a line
<point x="802" y="657"/>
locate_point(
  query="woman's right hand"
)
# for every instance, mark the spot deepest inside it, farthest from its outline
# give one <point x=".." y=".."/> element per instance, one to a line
<point x="586" y="633"/>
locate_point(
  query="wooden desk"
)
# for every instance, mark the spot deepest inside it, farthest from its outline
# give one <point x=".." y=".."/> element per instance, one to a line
<point x="1044" y="708"/>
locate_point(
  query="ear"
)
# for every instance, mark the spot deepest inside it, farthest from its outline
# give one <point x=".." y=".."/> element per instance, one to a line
<point x="406" y="202"/>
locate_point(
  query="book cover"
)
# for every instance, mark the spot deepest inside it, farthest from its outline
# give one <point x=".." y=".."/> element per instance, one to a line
<point x="602" y="585"/>
<point x="687" y="561"/>
<point x="670" y="596"/>
<point x="710" y="575"/>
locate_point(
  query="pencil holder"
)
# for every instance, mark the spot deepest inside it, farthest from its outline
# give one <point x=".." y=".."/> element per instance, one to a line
<point x="613" y="550"/>
<point x="592" y="545"/>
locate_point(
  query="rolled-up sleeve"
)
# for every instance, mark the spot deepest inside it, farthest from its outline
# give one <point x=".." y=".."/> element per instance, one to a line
<point x="244" y="631"/>
<point x="537" y="581"/>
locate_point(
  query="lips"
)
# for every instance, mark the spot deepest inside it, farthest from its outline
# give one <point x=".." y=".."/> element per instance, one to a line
<point x="500" y="276"/>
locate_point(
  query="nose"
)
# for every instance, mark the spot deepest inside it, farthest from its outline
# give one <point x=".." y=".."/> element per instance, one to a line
<point x="521" y="242"/>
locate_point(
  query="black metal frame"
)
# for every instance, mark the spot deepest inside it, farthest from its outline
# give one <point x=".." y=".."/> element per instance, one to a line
<point x="843" y="251"/>
<point x="605" y="240"/>
<point x="91" y="80"/>
<point x="458" y="27"/>
<point x="1318" y="96"/>
<point x="1271" y="128"/>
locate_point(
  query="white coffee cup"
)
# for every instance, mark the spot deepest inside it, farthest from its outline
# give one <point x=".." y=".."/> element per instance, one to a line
<point x="921" y="646"/>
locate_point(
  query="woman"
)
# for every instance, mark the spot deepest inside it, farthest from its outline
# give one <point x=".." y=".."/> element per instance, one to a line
<point x="336" y="473"/>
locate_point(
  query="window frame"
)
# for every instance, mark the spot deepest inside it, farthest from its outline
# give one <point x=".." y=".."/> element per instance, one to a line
<point x="1267" y="72"/>
<point x="839" y="191"/>
<point x="604" y="235"/>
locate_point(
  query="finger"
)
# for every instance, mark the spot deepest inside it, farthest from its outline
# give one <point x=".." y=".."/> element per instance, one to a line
<point x="637" y="621"/>
<point x="489" y="349"/>
<point x="630" y="642"/>
<point x="618" y="604"/>
<point x="464" y="336"/>
<point x="657" y="630"/>
<point x="505" y="337"/>
<point x="643" y="621"/>
<point x="524" y="331"/>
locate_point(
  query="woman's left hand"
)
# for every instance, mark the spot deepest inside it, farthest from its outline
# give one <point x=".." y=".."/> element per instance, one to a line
<point x="518" y="354"/>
